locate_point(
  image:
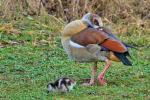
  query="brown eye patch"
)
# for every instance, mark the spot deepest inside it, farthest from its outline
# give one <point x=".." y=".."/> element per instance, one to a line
<point x="95" y="22"/>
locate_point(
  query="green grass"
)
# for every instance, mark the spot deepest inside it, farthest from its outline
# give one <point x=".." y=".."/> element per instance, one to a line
<point x="38" y="58"/>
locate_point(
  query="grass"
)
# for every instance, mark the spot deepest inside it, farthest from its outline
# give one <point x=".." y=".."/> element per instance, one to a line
<point x="29" y="60"/>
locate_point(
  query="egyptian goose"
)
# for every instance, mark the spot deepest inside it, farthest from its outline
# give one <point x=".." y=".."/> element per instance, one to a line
<point x="86" y="40"/>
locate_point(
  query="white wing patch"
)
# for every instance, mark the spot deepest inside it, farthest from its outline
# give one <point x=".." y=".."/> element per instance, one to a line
<point x="75" y="44"/>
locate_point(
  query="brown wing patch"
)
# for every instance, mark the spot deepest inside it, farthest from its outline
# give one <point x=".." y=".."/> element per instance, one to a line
<point x="94" y="36"/>
<point x="114" y="45"/>
<point x="89" y="36"/>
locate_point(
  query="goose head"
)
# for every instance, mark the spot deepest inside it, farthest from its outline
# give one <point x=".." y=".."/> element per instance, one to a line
<point x="92" y="20"/>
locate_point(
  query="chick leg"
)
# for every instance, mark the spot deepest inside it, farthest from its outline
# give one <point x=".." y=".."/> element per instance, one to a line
<point x="102" y="74"/>
<point x="93" y="76"/>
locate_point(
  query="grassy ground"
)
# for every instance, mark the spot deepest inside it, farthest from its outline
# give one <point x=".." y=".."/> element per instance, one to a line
<point x="31" y="55"/>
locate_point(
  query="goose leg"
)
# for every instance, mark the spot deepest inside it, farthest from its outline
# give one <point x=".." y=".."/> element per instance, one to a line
<point x="93" y="76"/>
<point x="102" y="74"/>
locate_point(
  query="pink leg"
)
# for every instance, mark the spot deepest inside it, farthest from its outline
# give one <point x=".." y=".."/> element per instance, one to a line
<point x="102" y="74"/>
<point x="93" y="74"/>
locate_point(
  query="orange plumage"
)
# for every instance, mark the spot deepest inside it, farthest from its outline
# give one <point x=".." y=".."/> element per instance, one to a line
<point x="113" y="57"/>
